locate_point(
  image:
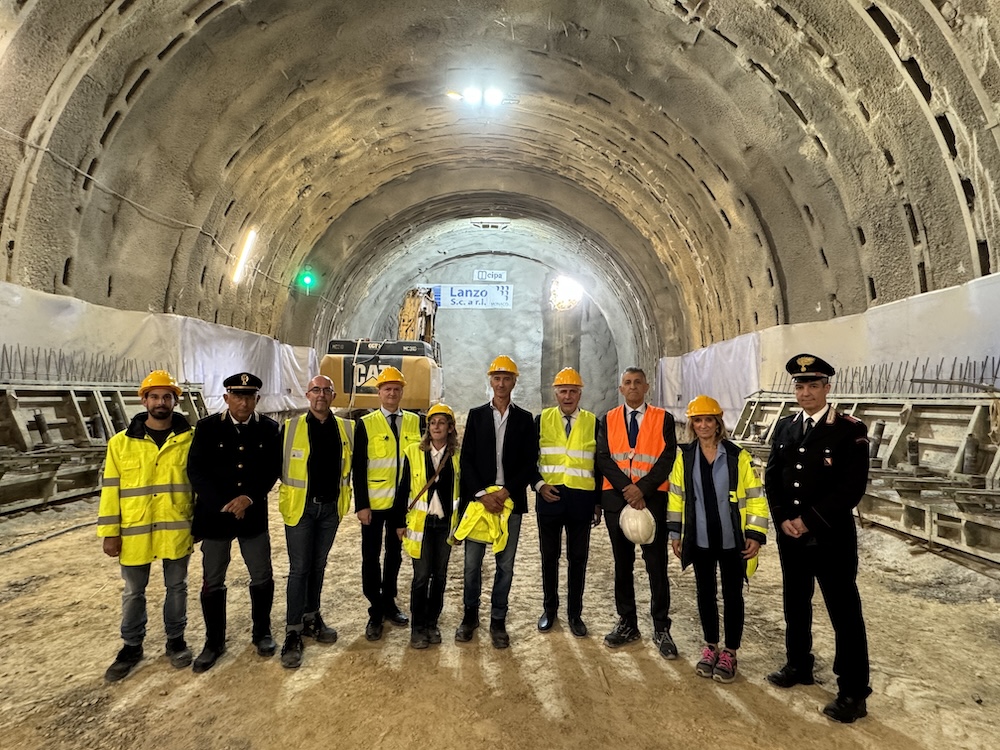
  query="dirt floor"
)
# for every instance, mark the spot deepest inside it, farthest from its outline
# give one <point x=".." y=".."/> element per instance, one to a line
<point x="934" y="628"/>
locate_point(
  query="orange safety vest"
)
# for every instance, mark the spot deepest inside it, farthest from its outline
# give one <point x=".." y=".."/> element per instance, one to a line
<point x="649" y="445"/>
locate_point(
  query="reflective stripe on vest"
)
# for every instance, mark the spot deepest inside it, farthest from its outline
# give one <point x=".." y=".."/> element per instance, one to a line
<point x="383" y="465"/>
<point x="295" y="469"/>
<point x="416" y="517"/>
<point x="649" y="445"/>
<point x="567" y="462"/>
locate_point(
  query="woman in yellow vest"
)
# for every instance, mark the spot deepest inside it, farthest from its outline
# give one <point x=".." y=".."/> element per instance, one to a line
<point x="717" y="518"/>
<point x="425" y="510"/>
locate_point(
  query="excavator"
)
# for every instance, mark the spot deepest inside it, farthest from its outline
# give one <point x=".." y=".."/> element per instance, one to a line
<point x="353" y="364"/>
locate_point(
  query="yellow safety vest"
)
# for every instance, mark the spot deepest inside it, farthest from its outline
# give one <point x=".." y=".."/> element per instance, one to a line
<point x="567" y="462"/>
<point x="479" y="525"/>
<point x="295" y="469"/>
<point x="146" y="497"/>
<point x="383" y="464"/>
<point x="748" y="495"/>
<point x="416" y="516"/>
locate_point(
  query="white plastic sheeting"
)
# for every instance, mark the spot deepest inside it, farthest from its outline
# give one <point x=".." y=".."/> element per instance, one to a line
<point x="196" y="351"/>
<point x="955" y="323"/>
<point x="728" y="372"/>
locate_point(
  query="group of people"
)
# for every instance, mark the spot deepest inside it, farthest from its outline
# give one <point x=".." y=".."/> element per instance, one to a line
<point x="167" y="485"/>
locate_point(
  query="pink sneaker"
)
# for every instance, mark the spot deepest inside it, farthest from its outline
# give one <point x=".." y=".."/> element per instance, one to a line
<point x="709" y="656"/>
<point x="725" y="667"/>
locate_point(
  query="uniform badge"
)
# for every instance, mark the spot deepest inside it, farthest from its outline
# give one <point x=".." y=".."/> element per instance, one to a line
<point x="804" y="363"/>
<point x="244" y="379"/>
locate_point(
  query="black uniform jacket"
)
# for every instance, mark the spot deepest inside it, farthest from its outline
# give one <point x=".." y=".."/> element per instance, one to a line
<point x="572" y="503"/>
<point x="619" y="480"/>
<point x="821" y="478"/>
<point x="479" y="455"/>
<point x="224" y="464"/>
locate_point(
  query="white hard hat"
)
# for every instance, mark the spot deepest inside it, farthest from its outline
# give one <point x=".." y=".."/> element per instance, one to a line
<point x="638" y="526"/>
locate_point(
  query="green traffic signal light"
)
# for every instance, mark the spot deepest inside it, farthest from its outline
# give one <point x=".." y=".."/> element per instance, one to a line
<point x="306" y="278"/>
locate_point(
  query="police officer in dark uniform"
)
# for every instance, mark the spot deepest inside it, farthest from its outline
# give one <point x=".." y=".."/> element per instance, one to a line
<point x="234" y="461"/>
<point x="816" y="474"/>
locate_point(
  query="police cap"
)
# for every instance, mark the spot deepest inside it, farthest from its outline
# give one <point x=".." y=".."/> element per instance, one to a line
<point x="243" y="382"/>
<point x="806" y="367"/>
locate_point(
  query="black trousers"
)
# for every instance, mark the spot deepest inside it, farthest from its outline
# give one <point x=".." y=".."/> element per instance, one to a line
<point x="832" y="561"/>
<point x="550" y="531"/>
<point x="654" y="555"/>
<point x="378" y="581"/>
<point x="430" y="574"/>
<point x="729" y="563"/>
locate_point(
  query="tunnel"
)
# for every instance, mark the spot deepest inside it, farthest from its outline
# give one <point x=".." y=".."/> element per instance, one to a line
<point x="704" y="170"/>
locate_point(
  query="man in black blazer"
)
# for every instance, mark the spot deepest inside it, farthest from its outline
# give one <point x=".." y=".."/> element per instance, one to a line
<point x="816" y="474"/>
<point x="234" y="461"/>
<point x="499" y="461"/>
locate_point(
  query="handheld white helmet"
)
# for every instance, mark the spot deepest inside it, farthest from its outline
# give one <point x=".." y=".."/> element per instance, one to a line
<point x="638" y="526"/>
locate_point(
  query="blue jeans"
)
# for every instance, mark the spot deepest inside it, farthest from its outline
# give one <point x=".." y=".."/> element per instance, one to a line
<point x="216" y="553"/>
<point x="136" y="578"/>
<point x="474" y="554"/>
<point x="309" y="543"/>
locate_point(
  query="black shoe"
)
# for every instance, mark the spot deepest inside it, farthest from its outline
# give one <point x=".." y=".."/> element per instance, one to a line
<point x="316" y="628"/>
<point x="127" y="658"/>
<point x="419" y="639"/>
<point x="397" y="618"/>
<point x="291" y="652"/>
<point x="373" y="630"/>
<point x="434" y="634"/>
<point x="498" y="634"/>
<point x="624" y="632"/>
<point x="577" y="627"/>
<point x="789" y="676"/>
<point x="179" y="654"/>
<point x="665" y="644"/>
<point x="546" y="621"/>
<point x="469" y="623"/>
<point x="265" y="644"/>
<point x="208" y="656"/>
<point x="846" y="710"/>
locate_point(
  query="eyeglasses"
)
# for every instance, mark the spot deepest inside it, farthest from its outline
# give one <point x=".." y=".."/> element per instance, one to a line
<point x="317" y="391"/>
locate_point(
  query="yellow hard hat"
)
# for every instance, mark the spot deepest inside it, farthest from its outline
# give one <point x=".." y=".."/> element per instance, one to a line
<point x="567" y="376"/>
<point x="390" y="375"/>
<point x="704" y="406"/>
<point x="503" y="363"/>
<point x="441" y="409"/>
<point x="159" y="379"/>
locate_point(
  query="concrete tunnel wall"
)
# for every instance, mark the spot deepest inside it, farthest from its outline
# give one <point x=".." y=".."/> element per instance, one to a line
<point x="724" y="167"/>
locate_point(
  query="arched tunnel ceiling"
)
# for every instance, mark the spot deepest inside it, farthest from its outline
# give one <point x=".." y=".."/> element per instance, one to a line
<point x="738" y="163"/>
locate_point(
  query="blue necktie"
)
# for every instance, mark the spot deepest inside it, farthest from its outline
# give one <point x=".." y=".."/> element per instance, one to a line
<point x="633" y="429"/>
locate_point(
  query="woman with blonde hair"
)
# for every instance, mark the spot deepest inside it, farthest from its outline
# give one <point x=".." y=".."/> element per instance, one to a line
<point x="717" y="519"/>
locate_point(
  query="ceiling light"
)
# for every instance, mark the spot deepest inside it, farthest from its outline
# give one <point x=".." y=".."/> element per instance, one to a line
<point x="244" y="254"/>
<point x="565" y="293"/>
<point x="493" y="97"/>
<point x="472" y="95"/>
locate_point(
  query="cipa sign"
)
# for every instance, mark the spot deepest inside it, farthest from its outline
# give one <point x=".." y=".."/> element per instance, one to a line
<point x="488" y="276"/>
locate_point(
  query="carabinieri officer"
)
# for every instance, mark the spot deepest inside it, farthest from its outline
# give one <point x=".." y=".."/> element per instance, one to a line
<point x="816" y="475"/>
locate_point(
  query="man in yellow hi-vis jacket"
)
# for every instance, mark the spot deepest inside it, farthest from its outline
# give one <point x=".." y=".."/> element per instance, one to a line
<point x="145" y="515"/>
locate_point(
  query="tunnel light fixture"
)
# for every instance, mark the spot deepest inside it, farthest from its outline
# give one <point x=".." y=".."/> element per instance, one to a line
<point x="475" y="96"/>
<point x="565" y="293"/>
<point x="241" y="264"/>
<point x="493" y="97"/>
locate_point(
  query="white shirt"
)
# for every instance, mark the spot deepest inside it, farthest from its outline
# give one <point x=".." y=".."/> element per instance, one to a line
<point x="434" y="507"/>
<point x="572" y="417"/>
<point x="816" y="418"/>
<point x="640" y="413"/>
<point x="500" y="426"/>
